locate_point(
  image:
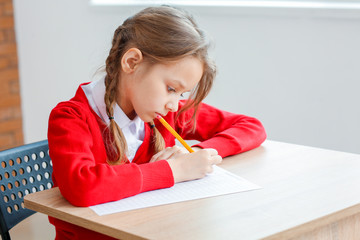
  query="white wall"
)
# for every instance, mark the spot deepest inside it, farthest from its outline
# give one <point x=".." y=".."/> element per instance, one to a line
<point x="296" y="70"/>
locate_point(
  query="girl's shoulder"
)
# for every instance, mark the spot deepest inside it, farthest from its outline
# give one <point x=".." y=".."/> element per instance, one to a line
<point x="78" y="105"/>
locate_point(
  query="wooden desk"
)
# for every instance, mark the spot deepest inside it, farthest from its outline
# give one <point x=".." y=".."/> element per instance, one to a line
<point x="308" y="193"/>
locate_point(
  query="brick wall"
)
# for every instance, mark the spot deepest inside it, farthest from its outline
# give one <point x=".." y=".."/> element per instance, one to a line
<point x="10" y="106"/>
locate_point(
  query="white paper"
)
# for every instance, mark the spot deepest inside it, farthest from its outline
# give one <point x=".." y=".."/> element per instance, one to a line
<point x="219" y="182"/>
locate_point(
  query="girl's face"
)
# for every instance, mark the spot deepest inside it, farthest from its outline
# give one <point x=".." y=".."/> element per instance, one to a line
<point x="150" y="90"/>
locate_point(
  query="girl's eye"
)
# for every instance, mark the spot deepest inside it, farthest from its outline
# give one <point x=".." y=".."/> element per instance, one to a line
<point x="170" y="89"/>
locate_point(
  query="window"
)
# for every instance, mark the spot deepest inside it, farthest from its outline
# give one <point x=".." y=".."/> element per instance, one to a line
<point x="330" y="4"/>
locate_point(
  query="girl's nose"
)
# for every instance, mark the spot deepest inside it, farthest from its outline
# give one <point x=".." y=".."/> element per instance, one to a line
<point x="172" y="106"/>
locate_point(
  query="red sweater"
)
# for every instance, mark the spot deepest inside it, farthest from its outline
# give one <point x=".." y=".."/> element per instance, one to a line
<point x="78" y="153"/>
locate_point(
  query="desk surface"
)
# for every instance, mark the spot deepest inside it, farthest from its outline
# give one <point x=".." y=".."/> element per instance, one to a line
<point x="304" y="188"/>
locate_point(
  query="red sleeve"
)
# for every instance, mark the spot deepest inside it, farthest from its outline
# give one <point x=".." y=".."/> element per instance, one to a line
<point x="227" y="132"/>
<point x="80" y="169"/>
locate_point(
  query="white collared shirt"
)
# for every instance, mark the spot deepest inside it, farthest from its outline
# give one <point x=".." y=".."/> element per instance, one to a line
<point x="133" y="130"/>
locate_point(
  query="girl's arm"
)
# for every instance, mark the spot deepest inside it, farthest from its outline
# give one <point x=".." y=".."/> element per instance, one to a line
<point x="79" y="160"/>
<point x="227" y="132"/>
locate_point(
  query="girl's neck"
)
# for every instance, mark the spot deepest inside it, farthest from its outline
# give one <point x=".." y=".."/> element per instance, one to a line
<point x="124" y="103"/>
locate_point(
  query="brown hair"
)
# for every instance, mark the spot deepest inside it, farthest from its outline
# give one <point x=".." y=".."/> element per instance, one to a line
<point x="162" y="34"/>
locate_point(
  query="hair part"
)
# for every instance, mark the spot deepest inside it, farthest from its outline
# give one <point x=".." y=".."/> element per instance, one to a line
<point x="162" y="34"/>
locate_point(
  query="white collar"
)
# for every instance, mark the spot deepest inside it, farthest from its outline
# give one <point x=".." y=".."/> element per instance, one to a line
<point x="95" y="92"/>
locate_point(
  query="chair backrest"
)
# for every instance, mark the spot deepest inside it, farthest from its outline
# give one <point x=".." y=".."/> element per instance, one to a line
<point x="25" y="169"/>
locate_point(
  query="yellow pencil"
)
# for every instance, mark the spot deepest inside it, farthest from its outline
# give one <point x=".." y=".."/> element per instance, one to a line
<point x="173" y="132"/>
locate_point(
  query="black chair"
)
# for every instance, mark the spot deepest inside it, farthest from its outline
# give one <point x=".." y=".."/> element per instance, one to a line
<point x="25" y="169"/>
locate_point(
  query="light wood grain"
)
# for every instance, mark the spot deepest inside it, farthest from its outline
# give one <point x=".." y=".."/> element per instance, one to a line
<point x="307" y="192"/>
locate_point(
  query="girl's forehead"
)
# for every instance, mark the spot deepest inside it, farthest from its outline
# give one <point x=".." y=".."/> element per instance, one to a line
<point x="181" y="61"/>
<point x="180" y="71"/>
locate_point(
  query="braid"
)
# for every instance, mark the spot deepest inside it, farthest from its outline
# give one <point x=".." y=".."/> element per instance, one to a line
<point x="118" y="140"/>
<point x="159" y="142"/>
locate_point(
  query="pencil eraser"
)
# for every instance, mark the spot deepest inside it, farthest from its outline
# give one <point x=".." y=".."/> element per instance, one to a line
<point x="158" y="116"/>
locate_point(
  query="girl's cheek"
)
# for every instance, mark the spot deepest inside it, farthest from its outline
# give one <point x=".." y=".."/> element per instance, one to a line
<point x="155" y="103"/>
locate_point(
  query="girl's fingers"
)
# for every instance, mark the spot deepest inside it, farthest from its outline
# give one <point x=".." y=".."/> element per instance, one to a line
<point x="166" y="153"/>
<point x="155" y="156"/>
<point x="212" y="151"/>
<point x="213" y="156"/>
<point x="209" y="169"/>
<point x="216" y="159"/>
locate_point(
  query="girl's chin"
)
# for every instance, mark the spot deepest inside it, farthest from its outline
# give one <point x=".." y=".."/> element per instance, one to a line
<point x="146" y="118"/>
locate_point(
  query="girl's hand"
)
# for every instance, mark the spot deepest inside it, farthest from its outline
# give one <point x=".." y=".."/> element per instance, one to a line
<point x="190" y="166"/>
<point x="167" y="153"/>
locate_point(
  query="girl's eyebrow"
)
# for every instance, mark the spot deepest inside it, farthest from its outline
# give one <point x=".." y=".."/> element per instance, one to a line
<point x="179" y="83"/>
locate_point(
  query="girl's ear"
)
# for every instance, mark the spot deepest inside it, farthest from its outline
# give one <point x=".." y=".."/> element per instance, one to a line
<point x="131" y="59"/>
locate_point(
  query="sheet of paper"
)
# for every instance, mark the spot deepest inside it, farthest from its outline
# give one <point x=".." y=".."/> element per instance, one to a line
<point x="219" y="182"/>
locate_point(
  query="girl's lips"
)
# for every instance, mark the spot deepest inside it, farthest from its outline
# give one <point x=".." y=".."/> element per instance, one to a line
<point x="160" y="115"/>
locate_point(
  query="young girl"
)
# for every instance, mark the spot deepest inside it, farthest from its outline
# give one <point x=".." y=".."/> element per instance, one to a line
<point x="106" y="143"/>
